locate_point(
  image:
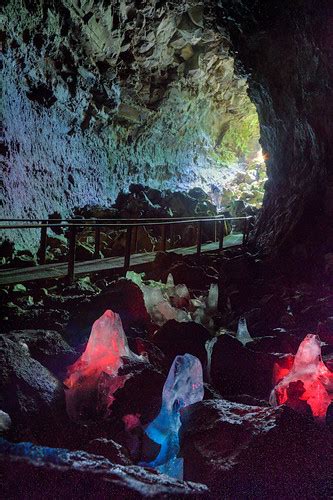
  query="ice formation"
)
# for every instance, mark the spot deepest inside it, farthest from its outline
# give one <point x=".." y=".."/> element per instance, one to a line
<point x="96" y="370"/>
<point x="243" y="334"/>
<point x="184" y="386"/>
<point x="309" y="380"/>
<point x="209" y="349"/>
<point x="169" y="301"/>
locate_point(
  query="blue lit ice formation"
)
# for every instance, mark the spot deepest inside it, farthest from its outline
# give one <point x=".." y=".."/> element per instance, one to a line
<point x="183" y="387"/>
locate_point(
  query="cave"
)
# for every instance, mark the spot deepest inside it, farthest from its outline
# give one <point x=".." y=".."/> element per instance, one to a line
<point x="166" y="249"/>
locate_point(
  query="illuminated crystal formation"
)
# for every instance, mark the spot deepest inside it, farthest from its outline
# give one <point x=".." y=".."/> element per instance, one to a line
<point x="169" y="301"/>
<point x="309" y="380"/>
<point x="98" y="366"/>
<point x="243" y="334"/>
<point x="184" y="386"/>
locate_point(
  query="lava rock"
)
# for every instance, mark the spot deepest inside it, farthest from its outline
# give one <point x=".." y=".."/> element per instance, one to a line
<point x="46" y="346"/>
<point x="243" y="451"/>
<point x="195" y="277"/>
<point x="33" y="318"/>
<point x="124" y="298"/>
<point x="175" y="338"/>
<point x="144" y="347"/>
<point x="282" y="342"/>
<point x="109" y="449"/>
<point x="236" y="370"/>
<point x="31" y="471"/>
<point x="30" y="394"/>
<point x="141" y="394"/>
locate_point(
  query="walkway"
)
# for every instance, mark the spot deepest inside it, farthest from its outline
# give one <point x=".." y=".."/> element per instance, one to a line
<point x="49" y="271"/>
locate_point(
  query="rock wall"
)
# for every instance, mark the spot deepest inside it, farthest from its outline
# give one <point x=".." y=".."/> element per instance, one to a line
<point x="98" y="95"/>
<point x="286" y="48"/>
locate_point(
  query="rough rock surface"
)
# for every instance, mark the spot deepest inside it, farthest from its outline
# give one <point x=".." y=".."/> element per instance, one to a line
<point x="122" y="297"/>
<point x="235" y="369"/>
<point x="286" y="50"/>
<point x="175" y="338"/>
<point x="244" y="451"/>
<point x="50" y="473"/>
<point x="30" y="394"/>
<point x="95" y="94"/>
<point x="47" y="347"/>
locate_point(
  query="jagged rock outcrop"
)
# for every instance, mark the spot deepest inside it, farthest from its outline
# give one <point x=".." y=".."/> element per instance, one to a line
<point x="241" y="451"/>
<point x="56" y="473"/>
<point x="286" y="50"/>
<point x="99" y="95"/>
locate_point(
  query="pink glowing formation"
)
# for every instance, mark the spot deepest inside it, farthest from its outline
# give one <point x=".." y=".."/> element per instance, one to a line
<point x="96" y="371"/>
<point x="308" y="385"/>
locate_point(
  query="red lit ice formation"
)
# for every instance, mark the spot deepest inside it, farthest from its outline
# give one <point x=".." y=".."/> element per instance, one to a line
<point x="98" y="366"/>
<point x="308" y="380"/>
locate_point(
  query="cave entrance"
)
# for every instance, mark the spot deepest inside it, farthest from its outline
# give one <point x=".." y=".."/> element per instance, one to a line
<point x="237" y="171"/>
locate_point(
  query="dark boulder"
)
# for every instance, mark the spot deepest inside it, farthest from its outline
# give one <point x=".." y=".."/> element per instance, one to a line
<point x="196" y="277"/>
<point x="141" y="394"/>
<point x="175" y="338"/>
<point x="243" y="451"/>
<point x="122" y="297"/>
<point x="282" y="342"/>
<point x="46" y="346"/>
<point x="30" y="394"/>
<point x="236" y="370"/>
<point x="109" y="449"/>
<point x="52" y="473"/>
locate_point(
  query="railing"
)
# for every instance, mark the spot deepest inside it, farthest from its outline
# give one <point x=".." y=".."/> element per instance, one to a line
<point x="74" y="225"/>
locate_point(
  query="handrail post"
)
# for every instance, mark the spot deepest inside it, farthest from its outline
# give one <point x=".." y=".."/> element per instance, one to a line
<point x="97" y="254"/>
<point x="127" y="257"/>
<point x="221" y="238"/>
<point x="43" y="238"/>
<point x="199" y="238"/>
<point x="245" y="231"/>
<point x="135" y="238"/>
<point x="163" y="237"/>
<point x="71" y="254"/>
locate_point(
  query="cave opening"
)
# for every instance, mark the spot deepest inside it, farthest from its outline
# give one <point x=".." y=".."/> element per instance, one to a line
<point x="166" y="249"/>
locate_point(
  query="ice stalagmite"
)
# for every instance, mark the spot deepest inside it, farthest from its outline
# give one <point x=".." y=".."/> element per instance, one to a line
<point x="106" y="346"/>
<point x="169" y="301"/>
<point x="243" y="334"/>
<point x="209" y="345"/>
<point x="184" y="386"/>
<point x="309" y="380"/>
<point x="213" y="297"/>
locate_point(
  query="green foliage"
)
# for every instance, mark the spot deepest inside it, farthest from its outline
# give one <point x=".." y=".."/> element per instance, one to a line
<point x="240" y="138"/>
<point x="248" y="186"/>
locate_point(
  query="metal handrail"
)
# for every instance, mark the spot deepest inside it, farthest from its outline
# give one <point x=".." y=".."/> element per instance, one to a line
<point x="121" y="223"/>
<point x="75" y="224"/>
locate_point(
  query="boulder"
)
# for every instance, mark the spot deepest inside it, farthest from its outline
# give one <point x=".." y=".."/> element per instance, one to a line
<point x="141" y="394"/>
<point x="175" y="338"/>
<point x="30" y="394"/>
<point x="34" y="318"/>
<point x="122" y="297"/>
<point x="109" y="449"/>
<point x="282" y="342"/>
<point x="31" y="471"/>
<point x="46" y="346"/>
<point x="236" y="370"/>
<point x="243" y="451"/>
<point x="196" y="277"/>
